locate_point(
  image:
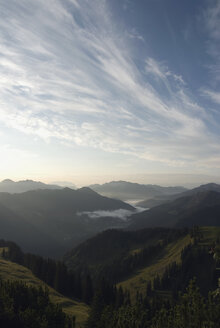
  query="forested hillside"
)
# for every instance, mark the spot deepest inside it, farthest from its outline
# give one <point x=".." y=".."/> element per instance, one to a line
<point x="23" y="306"/>
<point x="157" y="272"/>
<point x="122" y="278"/>
<point x="116" y="254"/>
<point x="184" y="294"/>
<point x="46" y="275"/>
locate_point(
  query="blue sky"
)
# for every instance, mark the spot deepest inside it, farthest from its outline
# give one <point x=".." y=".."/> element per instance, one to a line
<point x="109" y="89"/>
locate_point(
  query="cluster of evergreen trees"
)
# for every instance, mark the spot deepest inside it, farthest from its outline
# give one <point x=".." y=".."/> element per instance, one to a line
<point x="123" y="266"/>
<point x="78" y="283"/>
<point x="190" y="310"/>
<point x="28" y="307"/>
<point x="171" y="299"/>
<point x="54" y="273"/>
<point x="195" y="262"/>
<point x="110" y="254"/>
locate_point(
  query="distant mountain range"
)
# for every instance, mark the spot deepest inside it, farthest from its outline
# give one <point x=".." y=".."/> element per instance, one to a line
<point x="202" y="188"/>
<point x="12" y="187"/>
<point x="51" y="221"/>
<point x="130" y="191"/>
<point x="48" y="221"/>
<point x="196" y="208"/>
<point x="199" y="206"/>
<point x="161" y="199"/>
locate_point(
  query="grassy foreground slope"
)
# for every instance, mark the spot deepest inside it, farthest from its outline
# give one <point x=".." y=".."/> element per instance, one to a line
<point x="13" y="271"/>
<point x="171" y="253"/>
<point x="209" y="235"/>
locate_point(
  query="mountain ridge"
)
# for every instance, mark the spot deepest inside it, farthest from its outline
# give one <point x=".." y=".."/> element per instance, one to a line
<point x="179" y="210"/>
<point x="149" y="203"/>
<point x="8" y="185"/>
<point x="52" y="216"/>
<point x="125" y="190"/>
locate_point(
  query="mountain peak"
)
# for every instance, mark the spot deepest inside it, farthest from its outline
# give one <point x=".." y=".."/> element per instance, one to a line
<point x="10" y="186"/>
<point x="7" y="181"/>
<point x="86" y="190"/>
<point x="209" y="185"/>
<point x="67" y="189"/>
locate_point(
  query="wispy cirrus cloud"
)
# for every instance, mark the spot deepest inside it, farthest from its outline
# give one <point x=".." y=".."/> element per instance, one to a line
<point x="214" y="96"/>
<point x="133" y="34"/>
<point x="161" y="71"/>
<point x="67" y="72"/>
<point x="211" y="20"/>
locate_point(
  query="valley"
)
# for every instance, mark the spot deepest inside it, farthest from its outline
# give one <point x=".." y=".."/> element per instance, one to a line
<point x="110" y="251"/>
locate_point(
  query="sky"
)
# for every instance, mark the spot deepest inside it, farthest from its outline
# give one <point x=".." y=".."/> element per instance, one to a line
<point x="94" y="91"/>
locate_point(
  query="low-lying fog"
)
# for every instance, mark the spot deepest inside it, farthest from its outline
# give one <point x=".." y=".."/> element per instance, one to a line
<point x="119" y="214"/>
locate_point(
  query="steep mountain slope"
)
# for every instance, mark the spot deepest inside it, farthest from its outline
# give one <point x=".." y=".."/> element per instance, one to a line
<point x="133" y="259"/>
<point x="52" y="217"/>
<point x="162" y="199"/>
<point x="202" y="188"/>
<point x="184" y="273"/>
<point x="126" y="190"/>
<point x="15" y="272"/>
<point x="67" y="199"/>
<point x="23" y="232"/>
<point x="12" y="187"/>
<point x="172" y="253"/>
<point x="201" y="208"/>
<point x="153" y="202"/>
<point x="109" y="244"/>
<point x="115" y="254"/>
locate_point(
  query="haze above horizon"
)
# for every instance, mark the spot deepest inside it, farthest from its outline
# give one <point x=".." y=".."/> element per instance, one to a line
<point x="94" y="91"/>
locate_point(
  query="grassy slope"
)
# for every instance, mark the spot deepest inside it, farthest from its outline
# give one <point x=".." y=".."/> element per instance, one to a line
<point x="170" y="254"/>
<point x="210" y="234"/>
<point x="13" y="271"/>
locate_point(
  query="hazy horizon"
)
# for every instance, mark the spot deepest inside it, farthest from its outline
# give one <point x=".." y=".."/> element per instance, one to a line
<point x="185" y="180"/>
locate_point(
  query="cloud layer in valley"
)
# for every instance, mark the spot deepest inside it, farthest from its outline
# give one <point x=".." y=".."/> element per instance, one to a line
<point x="119" y="214"/>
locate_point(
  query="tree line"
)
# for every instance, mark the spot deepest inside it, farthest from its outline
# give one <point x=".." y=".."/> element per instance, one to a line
<point x="118" y="261"/>
<point x="29" y="307"/>
<point x="190" y="310"/>
<point x="174" y="299"/>
<point x="54" y="273"/>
